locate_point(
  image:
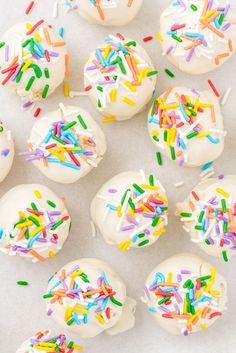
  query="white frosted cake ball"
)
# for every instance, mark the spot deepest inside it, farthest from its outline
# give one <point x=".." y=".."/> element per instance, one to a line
<point x="65" y="145"/>
<point x="87" y="298"/>
<point x="106" y="12"/>
<point x="119" y="78"/>
<point x="198" y="36"/>
<point x="33" y="60"/>
<point x="34" y="222"/>
<point x="186" y="125"/>
<point x="131" y="210"/>
<point x="185" y="294"/>
<point x="208" y="215"/>
<point x="7" y="151"/>
<point x="44" y="342"/>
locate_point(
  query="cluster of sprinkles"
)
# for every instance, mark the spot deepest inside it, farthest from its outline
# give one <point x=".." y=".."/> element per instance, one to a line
<point x="117" y="63"/>
<point x="43" y="342"/>
<point x="65" y="143"/>
<point x="5" y="151"/>
<point x="194" y="35"/>
<point x="141" y="211"/>
<point x="28" y="56"/>
<point x="187" y="297"/>
<point x="100" y="6"/>
<point x="82" y="299"/>
<point x="215" y="220"/>
<point x="34" y="230"/>
<point x="179" y="121"/>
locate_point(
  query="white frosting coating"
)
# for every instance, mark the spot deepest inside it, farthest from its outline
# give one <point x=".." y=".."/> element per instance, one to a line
<point x="7" y="151"/>
<point x="29" y="224"/>
<point x="44" y="342"/>
<point x="215" y="290"/>
<point x="192" y="31"/>
<point x="125" y="84"/>
<point x="85" y="142"/>
<point x="88" y="317"/>
<point x="107" y="12"/>
<point x="205" y="211"/>
<point x="27" y="51"/>
<point x="129" y="212"/>
<point x="167" y="119"/>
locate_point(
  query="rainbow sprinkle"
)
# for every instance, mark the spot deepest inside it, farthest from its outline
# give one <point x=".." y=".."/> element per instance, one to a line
<point x="213" y="220"/>
<point x="141" y="210"/>
<point x="117" y="63"/>
<point x="82" y="298"/>
<point x="195" y="28"/>
<point x="42" y="342"/>
<point x="186" y="297"/>
<point x="34" y="231"/>
<point x="178" y="119"/>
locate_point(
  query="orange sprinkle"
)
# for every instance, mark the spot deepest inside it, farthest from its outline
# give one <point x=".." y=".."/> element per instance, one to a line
<point x="231" y="45"/>
<point x="220" y="56"/>
<point x="37" y="255"/>
<point x="47" y="36"/>
<point x="214" y="30"/>
<point x="66" y="65"/>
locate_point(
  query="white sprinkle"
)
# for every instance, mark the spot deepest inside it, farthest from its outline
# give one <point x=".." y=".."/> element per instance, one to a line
<point x="226" y="96"/>
<point x="55" y="9"/>
<point x="205" y="172"/>
<point x="77" y="94"/>
<point x="208" y="175"/>
<point x="94" y="233"/>
<point x="179" y="184"/>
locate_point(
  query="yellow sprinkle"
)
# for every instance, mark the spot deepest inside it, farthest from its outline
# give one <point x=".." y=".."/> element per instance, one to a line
<point x="155" y="133"/>
<point x="191" y="319"/>
<point x="80" y="309"/>
<point x="113" y="95"/>
<point x="43" y="349"/>
<point x="203" y="134"/>
<point x="203" y="327"/>
<point x="47" y="344"/>
<point x="25" y="53"/>
<point x="38" y="37"/>
<point x="159" y="36"/>
<point x="109" y="120"/>
<point x="28" y="25"/>
<point x="162" y="198"/>
<point x="100" y="318"/>
<point x="66" y="89"/>
<point x="215" y="293"/>
<point x="124" y="246"/>
<point x="158" y="232"/>
<point x="130" y="86"/>
<point x="57" y="154"/>
<point x="131" y="213"/>
<point x="25" y="224"/>
<point x="26" y="65"/>
<point x="107" y="51"/>
<point x="222" y="192"/>
<point x="185" y="306"/>
<point x="128" y="101"/>
<point x="149" y="187"/>
<point x="205" y="105"/>
<point x="196" y="105"/>
<point x="68" y="313"/>
<point x="119" y="213"/>
<point x="170" y="106"/>
<point x="209" y="14"/>
<point x="169" y="278"/>
<point x="37" y="194"/>
<point x="51" y="254"/>
<point x="22" y="214"/>
<point x="78" y="348"/>
<point x="36" y="231"/>
<point x="70" y="148"/>
<point x="76" y="273"/>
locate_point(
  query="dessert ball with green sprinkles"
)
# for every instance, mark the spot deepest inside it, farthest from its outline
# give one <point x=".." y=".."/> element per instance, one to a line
<point x="209" y="215"/>
<point x="106" y="12"/>
<point x="185" y="295"/>
<point x="66" y="144"/>
<point x="34" y="222"/>
<point x="33" y="60"/>
<point x="198" y="36"/>
<point x="44" y="342"/>
<point x="186" y="125"/>
<point x="87" y="297"/>
<point x="119" y="78"/>
<point x="7" y="151"/>
<point x="131" y="210"/>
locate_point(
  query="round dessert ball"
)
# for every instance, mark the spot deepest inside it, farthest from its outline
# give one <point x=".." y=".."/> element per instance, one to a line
<point x="34" y="222"/>
<point x="44" y="342"/>
<point x="185" y="294"/>
<point x="131" y="210"/>
<point x="33" y="60"/>
<point x="186" y="125"/>
<point x="7" y="151"/>
<point x="208" y="215"/>
<point x="106" y="12"/>
<point x="119" y="78"/>
<point x="87" y="298"/>
<point x="65" y="145"/>
<point x="198" y="38"/>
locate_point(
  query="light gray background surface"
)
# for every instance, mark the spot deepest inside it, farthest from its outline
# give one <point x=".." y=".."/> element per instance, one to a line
<point x="22" y="310"/>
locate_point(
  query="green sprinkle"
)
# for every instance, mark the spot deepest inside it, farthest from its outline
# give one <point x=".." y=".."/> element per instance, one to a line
<point x="49" y="295"/>
<point x="185" y="214"/>
<point x="221" y="19"/>
<point x="225" y="256"/>
<point x="124" y="197"/>
<point x="131" y="43"/>
<point x="27" y="234"/>
<point x="68" y="126"/>
<point x="200" y="218"/>
<point x="25" y="43"/>
<point x="99" y="88"/>
<point x="193" y="134"/>
<point x="99" y="104"/>
<point x="169" y="73"/>
<point x="37" y="70"/>
<point x="58" y="139"/>
<point x="207" y="242"/>
<point x="22" y="283"/>
<point x="52" y="204"/>
<point x="159" y="158"/>
<point x="204" y="278"/>
<point x="155" y="138"/>
<point x="153" y="107"/>
<point x="1" y="128"/>
<point x="141" y="235"/>
<point x="178" y="39"/>
<point x="55" y="226"/>
<point x="2" y="44"/>
<point x="152" y="73"/>
<point x="138" y="188"/>
<point x="34" y="207"/>
<point x="143" y="243"/>
<point x="172" y="152"/>
<point x="82" y="122"/>
<point x="198" y="227"/>
<point x="132" y="205"/>
<point x="164" y="300"/>
<point x="34" y="220"/>
<point x="30" y="83"/>
<point x="225" y="227"/>
<point x="120" y="63"/>
<point x="116" y="302"/>
<point x="151" y="180"/>
<point x="223" y="203"/>
<point x="46" y="72"/>
<point x="18" y="77"/>
<point x="45" y="91"/>
<point x="194" y="7"/>
<point x="70" y="344"/>
<point x="165" y="135"/>
<point x="187" y="284"/>
<point x="155" y="221"/>
<point x="70" y="322"/>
